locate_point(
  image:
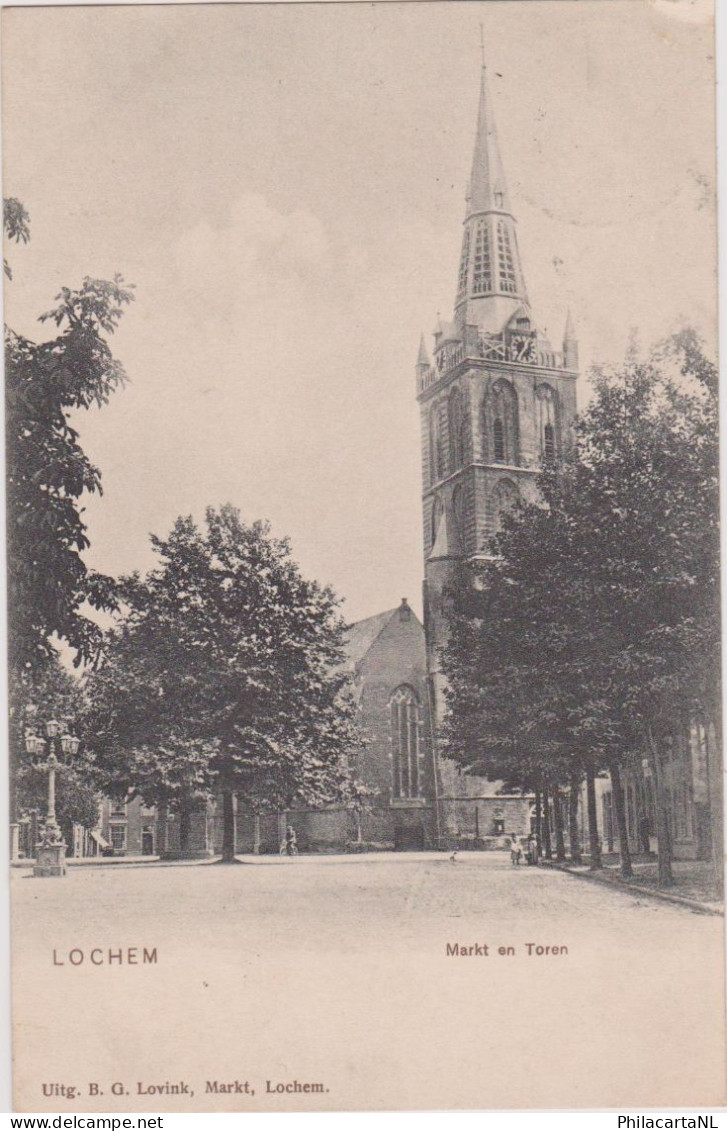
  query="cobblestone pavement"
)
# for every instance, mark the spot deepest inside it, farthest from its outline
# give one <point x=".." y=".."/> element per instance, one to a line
<point x="351" y="970"/>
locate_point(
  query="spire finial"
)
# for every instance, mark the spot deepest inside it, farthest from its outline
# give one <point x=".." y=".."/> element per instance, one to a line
<point x="490" y="283"/>
<point x="488" y="175"/>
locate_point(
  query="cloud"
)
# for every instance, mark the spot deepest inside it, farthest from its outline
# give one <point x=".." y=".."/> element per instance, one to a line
<point x="259" y="250"/>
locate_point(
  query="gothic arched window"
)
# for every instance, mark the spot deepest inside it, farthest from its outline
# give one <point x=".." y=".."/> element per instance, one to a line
<point x="508" y="282"/>
<point x="435" y="446"/>
<point x="498" y="430"/>
<point x="482" y="274"/>
<point x="437" y="514"/>
<point x="549" y="443"/>
<point x="502" y="431"/>
<point x="548" y="423"/>
<point x="459" y="512"/>
<point x="504" y="498"/>
<point x="464" y="265"/>
<point x="455" y="430"/>
<point x="464" y="447"/>
<point x="405" y="742"/>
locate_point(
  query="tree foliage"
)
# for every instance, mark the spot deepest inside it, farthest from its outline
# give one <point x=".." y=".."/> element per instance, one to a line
<point x="16" y="222"/>
<point x="645" y="504"/>
<point x="47" y="470"/>
<point x="225" y="672"/>
<point x="596" y="620"/>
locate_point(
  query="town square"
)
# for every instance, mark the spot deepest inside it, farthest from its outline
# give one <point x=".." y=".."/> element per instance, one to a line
<point x="363" y="557"/>
<point x="356" y="949"/>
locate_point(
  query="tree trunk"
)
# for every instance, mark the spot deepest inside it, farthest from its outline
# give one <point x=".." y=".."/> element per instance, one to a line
<point x="538" y="818"/>
<point x="573" y="830"/>
<point x="162" y="845"/>
<point x="228" y="827"/>
<point x="594" y="843"/>
<point x="256" y="835"/>
<point x="663" y="836"/>
<point x="547" y="846"/>
<point x="14" y="746"/>
<point x="713" y="785"/>
<point x="558" y="816"/>
<point x="623" y="836"/>
<point x="185" y="825"/>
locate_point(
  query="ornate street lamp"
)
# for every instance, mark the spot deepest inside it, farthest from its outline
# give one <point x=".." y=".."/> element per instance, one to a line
<point x="44" y="750"/>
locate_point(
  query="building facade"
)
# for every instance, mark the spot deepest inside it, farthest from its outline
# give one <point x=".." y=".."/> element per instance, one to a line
<point x="386" y="659"/>
<point x="123" y="828"/>
<point x="689" y="762"/>
<point x="496" y="402"/>
<point x="128" y="828"/>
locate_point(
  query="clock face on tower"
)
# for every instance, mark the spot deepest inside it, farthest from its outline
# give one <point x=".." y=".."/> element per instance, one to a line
<point x="522" y="348"/>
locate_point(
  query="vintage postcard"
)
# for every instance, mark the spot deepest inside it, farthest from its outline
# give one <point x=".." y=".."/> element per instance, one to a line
<point x="363" y="556"/>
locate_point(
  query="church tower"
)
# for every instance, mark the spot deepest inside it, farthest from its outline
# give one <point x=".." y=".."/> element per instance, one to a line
<point x="496" y="403"/>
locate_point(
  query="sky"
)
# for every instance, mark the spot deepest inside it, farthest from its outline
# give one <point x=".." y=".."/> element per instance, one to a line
<point x="284" y="184"/>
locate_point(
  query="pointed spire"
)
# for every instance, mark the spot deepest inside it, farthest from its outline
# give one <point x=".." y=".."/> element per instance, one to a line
<point x="423" y="358"/>
<point x="490" y="283"/>
<point x="570" y="332"/>
<point x="488" y="187"/>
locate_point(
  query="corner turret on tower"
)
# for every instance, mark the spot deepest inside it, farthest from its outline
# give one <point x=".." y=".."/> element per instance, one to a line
<point x="570" y="345"/>
<point x="493" y="319"/>
<point x="423" y="362"/>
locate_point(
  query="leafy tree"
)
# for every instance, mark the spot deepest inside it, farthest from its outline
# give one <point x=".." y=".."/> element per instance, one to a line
<point x="595" y="630"/>
<point x="225" y="672"/>
<point x="17" y="226"/>
<point x="508" y="716"/>
<point x="48" y="471"/>
<point x="646" y="506"/>
<point x="361" y="799"/>
<point x="141" y="736"/>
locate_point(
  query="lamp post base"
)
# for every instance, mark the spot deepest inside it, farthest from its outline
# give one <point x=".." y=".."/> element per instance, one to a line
<point x="50" y="859"/>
